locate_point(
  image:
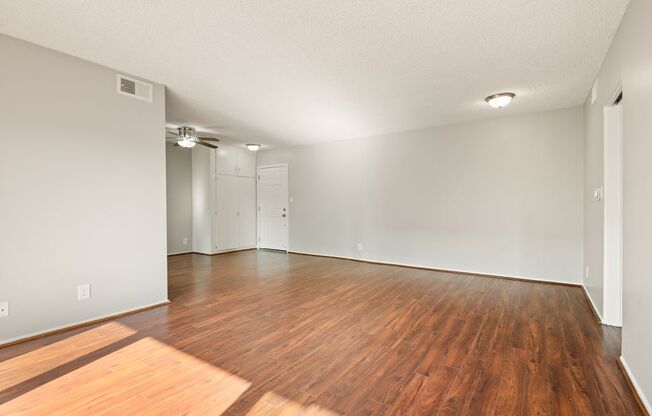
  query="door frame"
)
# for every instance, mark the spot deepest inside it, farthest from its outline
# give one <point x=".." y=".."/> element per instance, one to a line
<point x="287" y="182"/>
<point x="612" y="284"/>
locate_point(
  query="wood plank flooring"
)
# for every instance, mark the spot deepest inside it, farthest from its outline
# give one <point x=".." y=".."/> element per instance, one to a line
<point x="263" y="333"/>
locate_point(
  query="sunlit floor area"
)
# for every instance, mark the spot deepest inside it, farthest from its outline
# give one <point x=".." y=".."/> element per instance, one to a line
<point x="263" y="333"/>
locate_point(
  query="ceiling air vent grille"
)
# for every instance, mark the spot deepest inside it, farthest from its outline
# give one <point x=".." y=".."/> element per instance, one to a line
<point x="135" y="88"/>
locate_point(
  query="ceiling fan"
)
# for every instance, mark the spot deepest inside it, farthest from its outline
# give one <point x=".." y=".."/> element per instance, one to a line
<point x="187" y="137"/>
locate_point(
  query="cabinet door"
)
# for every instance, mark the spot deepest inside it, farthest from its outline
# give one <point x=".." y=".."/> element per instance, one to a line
<point x="246" y="163"/>
<point x="226" y="216"/>
<point x="226" y="160"/>
<point x="247" y="211"/>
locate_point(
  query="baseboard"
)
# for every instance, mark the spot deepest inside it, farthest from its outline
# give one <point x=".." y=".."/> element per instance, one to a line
<point x="435" y="269"/>
<point x="78" y="324"/>
<point x="596" y="314"/>
<point x="222" y="252"/>
<point x="178" y="253"/>
<point x="643" y="403"/>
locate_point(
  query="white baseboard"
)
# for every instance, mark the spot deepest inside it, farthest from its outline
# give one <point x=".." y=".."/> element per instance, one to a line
<point x="231" y="250"/>
<point x="644" y="400"/>
<point x="179" y="252"/>
<point x="595" y="309"/>
<point x="437" y="269"/>
<point x="72" y="325"/>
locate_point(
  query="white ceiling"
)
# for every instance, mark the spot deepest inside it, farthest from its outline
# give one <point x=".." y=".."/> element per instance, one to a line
<point x="286" y="72"/>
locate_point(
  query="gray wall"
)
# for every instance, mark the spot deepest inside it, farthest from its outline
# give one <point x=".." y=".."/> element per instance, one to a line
<point x="500" y="196"/>
<point x="82" y="191"/>
<point x="179" y="198"/>
<point x="629" y="61"/>
<point x="203" y="195"/>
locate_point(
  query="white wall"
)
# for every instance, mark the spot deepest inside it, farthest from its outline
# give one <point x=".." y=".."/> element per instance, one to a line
<point x="203" y="197"/>
<point x="501" y="196"/>
<point x="629" y="61"/>
<point x="82" y="191"/>
<point x="179" y="198"/>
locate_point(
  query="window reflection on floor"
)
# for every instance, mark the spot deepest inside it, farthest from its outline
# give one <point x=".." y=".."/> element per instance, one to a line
<point x="36" y="362"/>
<point x="144" y="377"/>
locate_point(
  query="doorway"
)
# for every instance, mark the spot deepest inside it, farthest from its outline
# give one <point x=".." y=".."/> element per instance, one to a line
<point x="613" y="221"/>
<point x="273" y="209"/>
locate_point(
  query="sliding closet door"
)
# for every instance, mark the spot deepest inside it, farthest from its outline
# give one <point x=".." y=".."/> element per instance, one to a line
<point x="226" y="215"/>
<point x="247" y="212"/>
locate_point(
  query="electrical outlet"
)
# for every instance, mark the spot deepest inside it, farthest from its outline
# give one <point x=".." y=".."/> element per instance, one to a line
<point x="4" y="309"/>
<point x="586" y="272"/>
<point x="185" y="241"/>
<point x="360" y="246"/>
<point x="84" y="292"/>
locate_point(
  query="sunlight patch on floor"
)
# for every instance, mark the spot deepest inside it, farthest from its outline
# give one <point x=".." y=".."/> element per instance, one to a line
<point x="272" y="404"/>
<point x="33" y="363"/>
<point x="143" y="378"/>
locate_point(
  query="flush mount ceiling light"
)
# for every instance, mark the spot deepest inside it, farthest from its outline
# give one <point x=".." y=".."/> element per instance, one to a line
<point x="253" y="147"/>
<point x="500" y="100"/>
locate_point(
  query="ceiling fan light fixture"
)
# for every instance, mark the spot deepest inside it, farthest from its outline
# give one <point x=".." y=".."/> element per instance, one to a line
<point x="187" y="142"/>
<point x="500" y="100"/>
<point x="253" y="147"/>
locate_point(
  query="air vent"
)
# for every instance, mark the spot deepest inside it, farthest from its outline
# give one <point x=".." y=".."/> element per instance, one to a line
<point x="135" y="88"/>
<point x="128" y="86"/>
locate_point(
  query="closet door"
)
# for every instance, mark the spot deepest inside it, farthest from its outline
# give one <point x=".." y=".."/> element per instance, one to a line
<point x="247" y="210"/>
<point x="226" y="217"/>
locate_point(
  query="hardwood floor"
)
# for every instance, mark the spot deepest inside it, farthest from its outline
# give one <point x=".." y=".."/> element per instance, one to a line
<point x="262" y="333"/>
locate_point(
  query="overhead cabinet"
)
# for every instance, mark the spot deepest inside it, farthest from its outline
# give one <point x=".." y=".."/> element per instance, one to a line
<point x="224" y="199"/>
<point x="235" y="161"/>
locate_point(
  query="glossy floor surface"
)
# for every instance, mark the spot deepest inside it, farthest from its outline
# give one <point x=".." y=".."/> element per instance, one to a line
<point x="262" y="333"/>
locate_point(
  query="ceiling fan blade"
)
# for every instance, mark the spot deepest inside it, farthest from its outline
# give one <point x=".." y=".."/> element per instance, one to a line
<point x="173" y="133"/>
<point x="209" y="139"/>
<point x="203" y="143"/>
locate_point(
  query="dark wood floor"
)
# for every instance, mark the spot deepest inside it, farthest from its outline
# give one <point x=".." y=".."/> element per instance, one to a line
<point x="261" y="333"/>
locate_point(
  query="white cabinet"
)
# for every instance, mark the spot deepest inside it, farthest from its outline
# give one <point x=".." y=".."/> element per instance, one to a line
<point x="246" y="163"/>
<point x="235" y="161"/>
<point x="224" y="205"/>
<point x="235" y="214"/>
<point x="226" y="213"/>
<point x="246" y="189"/>
<point x="226" y="160"/>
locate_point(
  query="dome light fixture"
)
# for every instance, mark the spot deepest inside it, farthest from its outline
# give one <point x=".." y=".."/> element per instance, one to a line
<point x="500" y="100"/>
<point x="253" y="147"/>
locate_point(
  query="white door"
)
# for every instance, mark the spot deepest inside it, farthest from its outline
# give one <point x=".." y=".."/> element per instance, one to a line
<point x="246" y="212"/>
<point x="612" y="273"/>
<point x="273" y="209"/>
<point x="226" y="213"/>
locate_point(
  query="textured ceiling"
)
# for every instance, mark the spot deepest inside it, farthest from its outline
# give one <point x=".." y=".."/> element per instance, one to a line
<point x="302" y="71"/>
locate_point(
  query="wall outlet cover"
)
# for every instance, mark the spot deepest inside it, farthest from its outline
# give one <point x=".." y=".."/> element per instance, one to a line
<point x="84" y="291"/>
<point x="4" y="309"/>
<point x="360" y="246"/>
